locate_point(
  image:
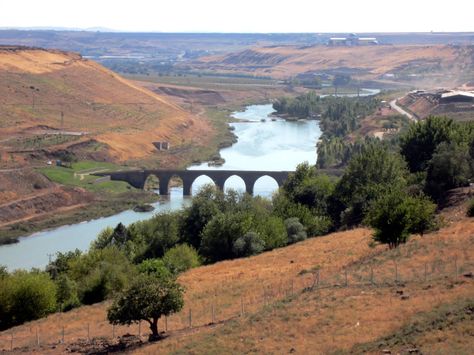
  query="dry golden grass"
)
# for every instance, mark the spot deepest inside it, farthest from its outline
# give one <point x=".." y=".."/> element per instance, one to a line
<point x="311" y="322"/>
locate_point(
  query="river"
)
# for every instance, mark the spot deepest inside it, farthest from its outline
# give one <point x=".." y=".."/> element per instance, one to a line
<point x="273" y="145"/>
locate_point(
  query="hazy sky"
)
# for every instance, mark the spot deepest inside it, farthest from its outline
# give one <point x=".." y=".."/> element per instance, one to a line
<point x="243" y="15"/>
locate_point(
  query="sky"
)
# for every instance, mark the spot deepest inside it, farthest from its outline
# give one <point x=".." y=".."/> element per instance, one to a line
<point x="243" y="15"/>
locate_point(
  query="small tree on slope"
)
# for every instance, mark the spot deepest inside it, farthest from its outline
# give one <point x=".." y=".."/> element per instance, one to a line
<point x="148" y="299"/>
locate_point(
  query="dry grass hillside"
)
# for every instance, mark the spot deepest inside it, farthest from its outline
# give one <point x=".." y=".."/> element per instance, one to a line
<point x="443" y="63"/>
<point x="323" y="295"/>
<point x="47" y="92"/>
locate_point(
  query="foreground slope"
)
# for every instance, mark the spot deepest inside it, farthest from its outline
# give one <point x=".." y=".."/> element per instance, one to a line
<point x="278" y="302"/>
<point x="49" y="92"/>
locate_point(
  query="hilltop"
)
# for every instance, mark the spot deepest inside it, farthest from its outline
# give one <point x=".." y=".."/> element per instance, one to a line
<point x="300" y="298"/>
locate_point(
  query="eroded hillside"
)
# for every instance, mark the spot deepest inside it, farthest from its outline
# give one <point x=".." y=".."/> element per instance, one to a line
<point x="46" y="94"/>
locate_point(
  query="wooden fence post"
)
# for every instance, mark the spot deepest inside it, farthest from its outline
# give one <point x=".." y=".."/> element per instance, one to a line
<point x="166" y="323"/>
<point x="345" y="277"/>
<point x="241" y="306"/>
<point x="213" y="314"/>
<point x="37" y="337"/>
<point x="190" y="318"/>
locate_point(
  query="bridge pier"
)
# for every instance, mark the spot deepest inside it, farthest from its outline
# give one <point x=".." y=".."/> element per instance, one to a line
<point x="164" y="182"/>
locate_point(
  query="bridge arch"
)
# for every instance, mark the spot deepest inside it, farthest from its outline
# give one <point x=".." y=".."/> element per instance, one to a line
<point x="198" y="182"/>
<point x="235" y="182"/>
<point x="265" y="185"/>
<point x="175" y="181"/>
<point x="151" y="183"/>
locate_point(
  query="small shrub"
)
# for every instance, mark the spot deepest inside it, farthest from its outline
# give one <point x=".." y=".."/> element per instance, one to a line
<point x="295" y="230"/>
<point x="181" y="258"/>
<point x="249" y="244"/>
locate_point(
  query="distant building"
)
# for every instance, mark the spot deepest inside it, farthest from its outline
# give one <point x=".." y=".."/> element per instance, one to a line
<point x="457" y="96"/>
<point x="352" y="40"/>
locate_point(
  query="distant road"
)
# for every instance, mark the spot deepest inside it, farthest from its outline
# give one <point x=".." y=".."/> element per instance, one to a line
<point x="393" y="104"/>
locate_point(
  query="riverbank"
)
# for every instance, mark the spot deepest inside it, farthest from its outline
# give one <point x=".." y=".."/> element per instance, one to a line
<point x="102" y="206"/>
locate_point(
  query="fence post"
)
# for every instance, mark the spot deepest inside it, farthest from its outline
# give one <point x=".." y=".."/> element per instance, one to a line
<point x="88" y="333"/>
<point x="62" y="335"/>
<point x="371" y="275"/>
<point x="166" y="323"/>
<point x="345" y="277"/>
<point x="292" y="287"/>
<point x="456" y="267"/>
<point x="113" y="331"/>
<point x="37" y="337"/>
<point x="241" y="306"/>
<point x="213" y="314"/>
<point x="11" y="342"/>
<point x="139" y="328"/>
<point x="426" y="270"/>
<point x="396" y="272"/>
<point x="317" y="275"/>
<point x="190" y="318"/>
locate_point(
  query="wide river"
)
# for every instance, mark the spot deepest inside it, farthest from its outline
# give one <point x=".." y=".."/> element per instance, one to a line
<point x="272" y="144"/>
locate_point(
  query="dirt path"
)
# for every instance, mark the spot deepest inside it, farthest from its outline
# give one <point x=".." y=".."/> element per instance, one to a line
<point x="393" y="104"/>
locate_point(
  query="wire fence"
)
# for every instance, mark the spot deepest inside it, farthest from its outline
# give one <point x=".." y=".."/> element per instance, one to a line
<point x="238" y="301"/>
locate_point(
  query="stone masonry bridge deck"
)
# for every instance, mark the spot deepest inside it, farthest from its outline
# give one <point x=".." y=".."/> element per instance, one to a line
<point x="137" y="178"/>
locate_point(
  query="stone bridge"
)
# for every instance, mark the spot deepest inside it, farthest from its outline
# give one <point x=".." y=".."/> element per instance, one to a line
<point x="137" y="178"/>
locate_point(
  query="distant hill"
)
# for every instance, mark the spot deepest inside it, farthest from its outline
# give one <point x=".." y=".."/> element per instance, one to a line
<point x="437" y="64"/>
<point x="48" y="92"/>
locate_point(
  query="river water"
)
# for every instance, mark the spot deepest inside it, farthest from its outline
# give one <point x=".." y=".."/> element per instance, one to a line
<point x="271" y="145"/>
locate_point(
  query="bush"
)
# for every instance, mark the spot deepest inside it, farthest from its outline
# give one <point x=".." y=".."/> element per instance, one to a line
<point x="470" y="209"/>
<point x="249" y="244"/>
<point x="181" y="258"/>
<point x="295" y="230"/>
<point x="25" y="296"/>
<point x="67" y="296"/>
<point x="100" y="273"/>
<point x="221" y="232"/>
<point x="154" y="267"/>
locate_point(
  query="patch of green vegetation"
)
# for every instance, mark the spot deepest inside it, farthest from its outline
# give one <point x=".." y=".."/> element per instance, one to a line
<point x="80" y="174"/>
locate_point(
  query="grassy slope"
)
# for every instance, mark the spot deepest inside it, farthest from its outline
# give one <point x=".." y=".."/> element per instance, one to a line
<point x="318" y="321"/>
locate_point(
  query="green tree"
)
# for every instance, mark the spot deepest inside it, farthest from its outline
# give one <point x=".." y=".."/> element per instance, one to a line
<point x="100" y="274"/>
<point x="205" y="205"/>
<point x="449" y="167"/>
<point x="154" y="267"/>
<point x="419" y="143"/>
<point x="394" y="215"/>
<point x="221" y="232"/>
<point x="66" y="295"/>
<point x="147" y="299"/>
<point x="368" y="175"/>
<point x="25" y="296"/>
<point x="181" y="258"/>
